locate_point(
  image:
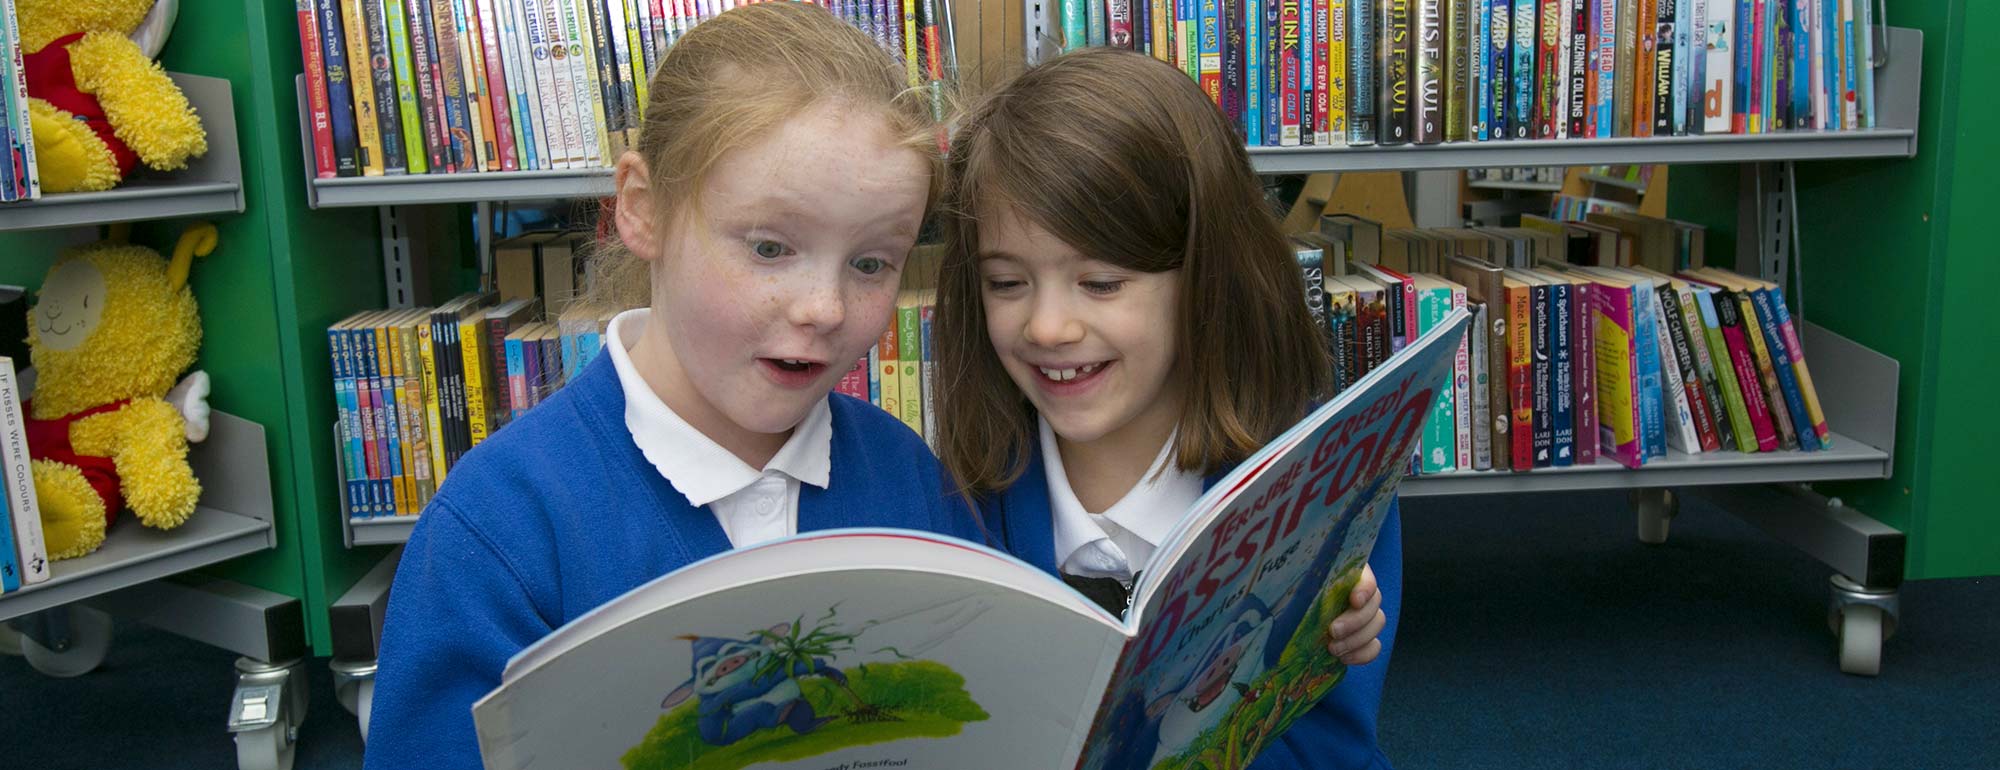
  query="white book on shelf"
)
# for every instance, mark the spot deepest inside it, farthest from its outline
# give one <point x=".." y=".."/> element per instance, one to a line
<point x="561" y="70"/>
<point x="548" y="98"/>
<point x="29" y="549"/>
<point x="580" y="38"/>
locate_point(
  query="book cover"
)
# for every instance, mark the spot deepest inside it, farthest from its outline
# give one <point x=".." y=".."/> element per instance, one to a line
<point x="1273" y="55"/>
<point x="1480" y="388"/>
<point x="1719" y="69"/>
<point x="1583" y="343"/>
<point x="909" y="360"/>
<point x="1330" y="72"/>
<point x="1252" y="55"/>
<point x="1744" y="364"/>
<point x="1784" y="365"/>
<point x="1549" y="83"/>
<point x="1580" y="76"/>
<point x="1767" y="372"/>
<point x="1562" y="373"/>
<point x="388" y="362"/>
<point x="1209" y="30"/>
<point x="1288" y="63"/>
<point x="348" y="415"/>
<point x="432" y="111"/>
<point x="433" y="396"/>
<point x="1541" y="385"/>
<point x="1615" y="359"/>
<point x="1521" y="91"/>
<point x="332" y="41"/>
<point x="1499" y="64"/>
<point x="325" y="156"/>
<point x="361" y="79"/>
<point x="1625" y="71"/>
<point x="1601" y="90"/>
<point x="1438" y="449"/>
<point x="1310" y="49"/>
<point x="499" y="87"/>
<point x="1697" y="432"/>
<point x="1461" y="383"/>
<point x="928" y="650"/>
<point x="29" y="549"/>
<point x="1458" y="35"/>
<point x="1808" y="394"/>
<point x="1485" y="284"/>
<point x="517" y="59"/>
<point x="1398" y="79"/>
<point x="1479" y="87"/>
<point x="889" y="381"/>
<point x="1235" y="66"/>
<point x="1704" y="367"/>
<point x="1521" y="371"/>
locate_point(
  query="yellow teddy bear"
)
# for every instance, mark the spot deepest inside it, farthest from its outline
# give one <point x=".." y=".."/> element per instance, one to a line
<point x="114" y="326"/>
<point x="99" y="103"/>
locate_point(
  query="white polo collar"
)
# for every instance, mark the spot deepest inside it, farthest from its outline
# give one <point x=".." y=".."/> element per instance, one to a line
<point x="1149" y="511"/>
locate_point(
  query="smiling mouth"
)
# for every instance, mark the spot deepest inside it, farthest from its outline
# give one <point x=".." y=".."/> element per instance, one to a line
<point x="48" y="328"/>
<point x="1071" y="376"/>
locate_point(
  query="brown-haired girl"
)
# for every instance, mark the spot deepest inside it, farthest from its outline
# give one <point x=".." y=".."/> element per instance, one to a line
<point x="1120" y="322"/>
<point x="779" y="182"/>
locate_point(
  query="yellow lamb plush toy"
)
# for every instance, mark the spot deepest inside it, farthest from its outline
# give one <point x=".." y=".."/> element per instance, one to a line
<point x="99" y="103"/>
<point x="113" y="327"/>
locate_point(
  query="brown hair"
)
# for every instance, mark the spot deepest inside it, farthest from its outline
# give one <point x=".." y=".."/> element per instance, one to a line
<point x="732" y="80"/>
<point x="1122" y="157"/>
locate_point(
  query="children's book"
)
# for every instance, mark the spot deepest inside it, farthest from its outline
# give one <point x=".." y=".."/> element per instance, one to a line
<point x="881" y="648"/>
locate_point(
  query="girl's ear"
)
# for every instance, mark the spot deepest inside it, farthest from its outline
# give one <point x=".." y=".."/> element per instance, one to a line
<point x="637" y="216"/>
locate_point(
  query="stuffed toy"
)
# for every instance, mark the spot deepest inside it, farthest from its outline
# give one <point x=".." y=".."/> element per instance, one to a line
<point x="99" y="103"/>
<point x="114" y="326"/>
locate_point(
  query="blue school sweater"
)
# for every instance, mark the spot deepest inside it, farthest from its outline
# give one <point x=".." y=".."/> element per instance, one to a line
<point x="1340" y="731"/>
<point x="559" y="513"/>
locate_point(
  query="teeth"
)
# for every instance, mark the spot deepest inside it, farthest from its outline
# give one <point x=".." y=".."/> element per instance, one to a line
<point x="1065" y="375"/>
<point x="794" y="362"/>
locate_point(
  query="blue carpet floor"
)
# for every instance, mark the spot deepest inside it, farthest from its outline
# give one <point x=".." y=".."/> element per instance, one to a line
<point x="1537" y="633"/>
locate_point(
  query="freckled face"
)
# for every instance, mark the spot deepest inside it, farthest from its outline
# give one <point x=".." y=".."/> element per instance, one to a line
<point x="789" y="272"/>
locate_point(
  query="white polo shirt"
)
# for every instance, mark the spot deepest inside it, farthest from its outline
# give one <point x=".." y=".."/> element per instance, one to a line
<point x="1116" y="542"/>
<point x="752" y="505"/>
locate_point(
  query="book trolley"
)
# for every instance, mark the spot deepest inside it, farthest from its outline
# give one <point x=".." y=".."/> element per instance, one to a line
<point x="64" y="625"/>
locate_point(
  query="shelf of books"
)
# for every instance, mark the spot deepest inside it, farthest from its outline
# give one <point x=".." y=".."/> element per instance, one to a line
<point x="211" y="184"/>
<point x="505" y="100"/>
<point x="1844" y="458"/>
<point x="232" y="519"/>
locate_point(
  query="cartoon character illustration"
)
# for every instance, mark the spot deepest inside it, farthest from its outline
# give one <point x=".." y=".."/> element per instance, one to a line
<point x="1718" y="36"/>
<point x="744" y="685"/>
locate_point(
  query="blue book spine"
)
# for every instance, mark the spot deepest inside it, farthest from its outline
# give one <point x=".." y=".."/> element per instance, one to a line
<point x="1562" y="399"/>
<point x="1604" y="40"/>
<point x="364" y="420"/>
<point x="1746" y="22"/>
<point x="1361" y="73"/>
<point x="1829" y="33"/>
<point x="1482" y="108"/>
<point x="1253" y="71"/>
<point x="339" y="91"/>
<point x="392" y="386"/>
<point x="350" y="422"/>
<point x="1094" y="21"/>
<point x="1075" y="30"/>
<point x="1781" y="362"/>
<point x="1684" y="58"/>
<point x="1521" y="89"/>
<point x="388" y="113"/>
<point x="10" y="566"/>
<point x="516" y="371"/>
<point x="1802" y="101"/>
<point x="1652" y="385"/>
<point x="378" y="401"/>
<point x="1541" y="314"/>
<point x="1499" y="61"/>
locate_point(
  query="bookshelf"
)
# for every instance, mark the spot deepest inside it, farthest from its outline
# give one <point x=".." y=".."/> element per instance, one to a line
<point x="211" y="184"/>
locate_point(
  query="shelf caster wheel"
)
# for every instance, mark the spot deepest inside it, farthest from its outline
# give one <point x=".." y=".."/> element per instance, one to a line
<point x="1655" y="509"/>
<point x="1862" y="619"/>
<point x="354" y="687"/>
<point x="265" y="713"/>
<point x="71" y="642"/>
<point x="266" y="748"/>
<point x="1861" y="634"/>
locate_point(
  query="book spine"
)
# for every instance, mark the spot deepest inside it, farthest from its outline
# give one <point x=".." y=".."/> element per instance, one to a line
<point x="1438" y="452"/>
<point x="417" y="121"/>
<point x="1274" y="72"/>
<point x="1479" y="44"/>
<point x="1730" y="392"/>
<point x="1625" y="72"/>
<point x="325" y="163"/>
<point x="1689" y="60"/>
<point x="1548" y="83"/>
<point x="1235" y="65"/>
<point x="1499" y="60"/>
<point x="1645" y="62"/>
<point x="603" y="94"/>
<point x="1330" y="71"/>
<point x="536" y="151"/>
<point x="1653" y="391"/>
<point x="1807" y="393"/>
<point x="361" y="79"/>
<point x="1288" y="63"/>
<point x="1397" y="78"/>
<point x="1619" y="433"/>
<point x="432" y="104"/>
<point x="1603" y="84"/>
<point x="1461" y="387"/>
<point x="1744" y="364"/>
<point x="517" y="378"/>
<point x="544" y="97"/>
<point x="1252" y="56"/>
<point x="364" y="410"/>
<point x="1458" y="56"/>
<point x="1121" y="29"/>
<point x="1704" y="437"/>
<point x="888" y="355"/>
<point x="499" y="89"/>
<point x="480" y="86"/>
<point x="589" y="106"/>
<point x="1480" y="367"/>
<point x="1308" y="49"/>
<point x="1521" y="88"/>
<point x="1562" y="376"/>
<point x="1580" y="75"/>
<point x="1096" y="23"/>
<point x="451" y="85"/>
<point x="910" y="357"/>
<point x="30" y="547"/>
<point x="379" y="400"/>
<point x="389" y="359"/>
<point x="927" y="375"/>
<point x="416" y="431"/>
<point x="1209" y="69"/>
<point x="1520" y="375"/>
<point x="1743" y="25"/>
<point x="1583" y="341"/>
<point x="1864" y="64"/>
<point x="1362" y="73"/>
<point x="1718" y="71"/>
<point x="1767" y="373"/>
<point x="875" y="375"/>
<point x="13" y="183"/>
<point x="1427" y="79"/>
<point x="1544" y="395"/>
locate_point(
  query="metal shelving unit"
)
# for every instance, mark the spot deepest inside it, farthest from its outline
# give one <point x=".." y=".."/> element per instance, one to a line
<point x="1887" y="142"/>
<point x="422" y="189"/>
<point x="381" y="530"/>
<point x="211" y="184"/>
<point x="232" y="519"/>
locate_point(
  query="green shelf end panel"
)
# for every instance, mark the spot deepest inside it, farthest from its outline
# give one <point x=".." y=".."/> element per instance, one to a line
<point x="1892" y="256"/>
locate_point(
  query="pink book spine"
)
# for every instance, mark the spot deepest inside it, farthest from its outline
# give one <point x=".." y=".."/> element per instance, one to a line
<point x="855" y="381"/>
<point x="1586" y="375"/>
<point x="1618" y="388"/>
<point x="1753" y="395"/>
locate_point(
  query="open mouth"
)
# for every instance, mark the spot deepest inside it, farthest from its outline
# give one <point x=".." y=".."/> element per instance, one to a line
<point x="793" y="372"/>
<point x="1070" y="376"/>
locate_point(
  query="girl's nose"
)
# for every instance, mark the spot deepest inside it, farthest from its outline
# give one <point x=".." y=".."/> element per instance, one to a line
<point x="1051" y="323"/>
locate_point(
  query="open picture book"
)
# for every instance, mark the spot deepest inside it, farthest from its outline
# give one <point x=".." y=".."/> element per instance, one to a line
<point x="848" y="649"/>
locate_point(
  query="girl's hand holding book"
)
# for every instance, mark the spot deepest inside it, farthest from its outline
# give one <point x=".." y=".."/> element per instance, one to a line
<point x="1355" y="632"/>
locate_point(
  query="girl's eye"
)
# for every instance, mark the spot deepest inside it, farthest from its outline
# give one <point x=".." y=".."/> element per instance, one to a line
<point x="1102" y="287"/>
<point x="1001" y="284"/>
<point x="869" y="265"/>
<point x="769" y="249"/>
